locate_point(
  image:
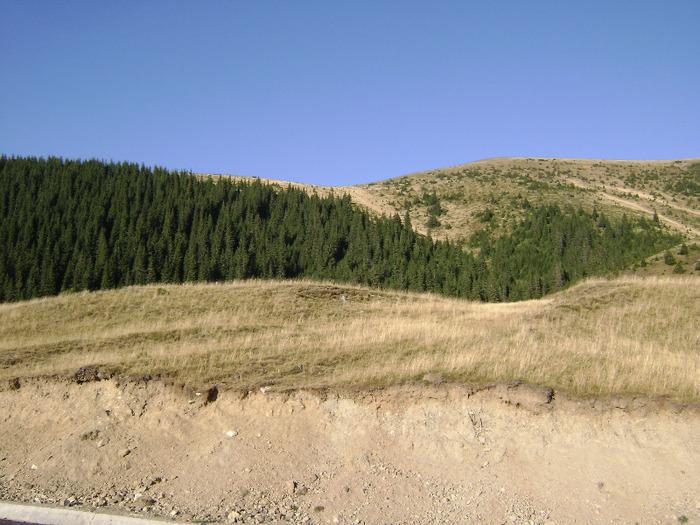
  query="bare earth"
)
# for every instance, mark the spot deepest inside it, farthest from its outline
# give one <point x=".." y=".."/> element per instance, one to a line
<point x="428" y="453"/>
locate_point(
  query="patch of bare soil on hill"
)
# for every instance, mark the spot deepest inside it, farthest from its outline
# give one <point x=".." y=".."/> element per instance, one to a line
<point x="434" y="453"/>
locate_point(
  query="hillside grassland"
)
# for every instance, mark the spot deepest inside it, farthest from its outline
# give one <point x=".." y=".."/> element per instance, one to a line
<point x="506" y="187"/>
<point x="609" y="338"/>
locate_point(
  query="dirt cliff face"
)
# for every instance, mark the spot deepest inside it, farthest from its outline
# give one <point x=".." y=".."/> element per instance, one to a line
<point x="437" y="453"/>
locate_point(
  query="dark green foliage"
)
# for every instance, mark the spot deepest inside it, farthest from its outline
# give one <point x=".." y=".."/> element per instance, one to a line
<point x="688" y="182"/>
<point x="76" y="225"/>
<point x="552" y="248"/>
<point x="678" y="268"/>
<point x="669" y="259"/>
<point x="683" y="250"/>
<point x="432" y="222"/>
<point x="432" y="201"/>
<point x="485" y="215"/>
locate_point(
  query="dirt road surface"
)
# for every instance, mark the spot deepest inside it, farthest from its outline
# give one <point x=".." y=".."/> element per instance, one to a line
<point x="423" y="453"/>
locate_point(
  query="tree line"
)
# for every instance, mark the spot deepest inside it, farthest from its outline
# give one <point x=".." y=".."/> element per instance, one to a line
<point x="71" y="225"/>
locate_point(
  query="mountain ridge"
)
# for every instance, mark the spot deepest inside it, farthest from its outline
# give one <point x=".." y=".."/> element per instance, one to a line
<point x="637" y="187"/>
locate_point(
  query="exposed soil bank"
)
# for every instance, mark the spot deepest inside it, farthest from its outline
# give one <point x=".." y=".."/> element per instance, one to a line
<point x="408" y="454"/>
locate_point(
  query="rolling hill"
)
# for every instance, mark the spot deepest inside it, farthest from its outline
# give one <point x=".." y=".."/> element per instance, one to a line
<point x="312" y="400"/>
<point x="491" y="195"/>
<point x="598" y="338"/>
<point x="72" y="225"/>
<point x="503" y="185"/>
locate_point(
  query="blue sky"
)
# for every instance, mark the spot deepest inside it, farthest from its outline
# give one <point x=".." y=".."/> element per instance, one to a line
<point x="345" y="92"/>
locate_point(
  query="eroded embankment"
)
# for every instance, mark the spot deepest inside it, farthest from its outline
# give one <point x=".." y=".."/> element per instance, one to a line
<point x="407" y="454"/>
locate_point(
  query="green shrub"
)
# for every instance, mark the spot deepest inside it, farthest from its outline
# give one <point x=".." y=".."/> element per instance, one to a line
<point x="485" y="215"/>
<point x="432" y="222"/>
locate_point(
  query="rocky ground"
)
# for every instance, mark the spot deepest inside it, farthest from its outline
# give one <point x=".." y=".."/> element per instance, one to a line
<point x="429" y="453"/>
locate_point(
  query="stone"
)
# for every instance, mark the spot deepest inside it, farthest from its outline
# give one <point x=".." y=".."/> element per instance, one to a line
<point x="433" y="378"/>
<point x="87" y="374"/>
<point x="90" y="436"/>
<point x="144" y="501"/>
<point x="212" y="395"/>
<point x="531" y="398"/>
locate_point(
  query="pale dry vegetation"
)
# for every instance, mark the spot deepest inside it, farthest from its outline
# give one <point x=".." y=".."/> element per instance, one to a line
<point x="601" y="338"/>
<point x="506" y="186"/>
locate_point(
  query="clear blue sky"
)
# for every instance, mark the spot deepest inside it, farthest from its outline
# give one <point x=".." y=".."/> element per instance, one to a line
<point x="344" y="92"/>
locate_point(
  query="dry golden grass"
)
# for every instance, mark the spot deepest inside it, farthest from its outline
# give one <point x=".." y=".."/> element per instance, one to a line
<point x="500" y="184"/>
<point x="601" y="338"/>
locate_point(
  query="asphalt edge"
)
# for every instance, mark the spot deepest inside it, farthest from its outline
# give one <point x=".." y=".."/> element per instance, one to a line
<point x="24" y="513"/>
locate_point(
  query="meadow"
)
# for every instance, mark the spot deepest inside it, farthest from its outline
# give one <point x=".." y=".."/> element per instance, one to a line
<point x="601" y="338"/>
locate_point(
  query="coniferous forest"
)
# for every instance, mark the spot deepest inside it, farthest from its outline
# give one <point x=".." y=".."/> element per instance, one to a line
<point x="71" y="225"/>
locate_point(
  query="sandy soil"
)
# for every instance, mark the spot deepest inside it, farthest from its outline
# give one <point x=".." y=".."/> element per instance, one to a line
<point x="429" y="453"/>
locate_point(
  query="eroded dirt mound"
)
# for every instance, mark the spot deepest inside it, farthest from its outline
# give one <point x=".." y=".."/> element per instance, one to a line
<point x="413" y="454"/>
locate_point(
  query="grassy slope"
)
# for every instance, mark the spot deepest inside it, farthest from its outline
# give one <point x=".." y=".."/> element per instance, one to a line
<point x="622" y="337"/>
<point x="618" y="337"/>
<point x="501" y="184"/>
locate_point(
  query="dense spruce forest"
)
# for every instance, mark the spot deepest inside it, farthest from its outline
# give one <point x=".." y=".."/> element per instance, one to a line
<point x="71" y="225"/>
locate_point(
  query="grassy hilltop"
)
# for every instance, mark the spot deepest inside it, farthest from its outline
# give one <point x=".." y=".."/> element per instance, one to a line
<point x="506" y="186"/>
